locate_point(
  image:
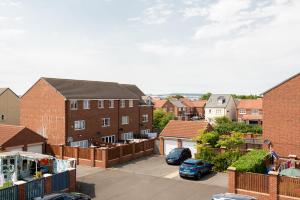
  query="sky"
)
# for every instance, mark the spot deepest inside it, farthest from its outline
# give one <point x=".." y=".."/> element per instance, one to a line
<point x="162" y="46"/>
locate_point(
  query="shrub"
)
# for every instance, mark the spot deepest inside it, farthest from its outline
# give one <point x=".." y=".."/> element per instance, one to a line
<point x="224" y="160"/>
<point x="210" y="138"/>
<point x="206" y="153"/>
<point x="6" y="185"/>
<point x="254" y="161"/>
<point x="232" y="141"/>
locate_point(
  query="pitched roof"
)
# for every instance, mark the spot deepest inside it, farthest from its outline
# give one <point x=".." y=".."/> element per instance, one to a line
<point x="184" y="129"/>
<point x="177" y="103"/>
<point x="82" y="89"/>
<point x="298" y="74"/>
<point x="199" y="103"/>
<point x="218" y="101"/>
<point x="2" y="90"/>
<point x="159" y="103"/>
<point x="250" y="103"/>
<point x="188" y="102"/>
<point x="134" y="89"/>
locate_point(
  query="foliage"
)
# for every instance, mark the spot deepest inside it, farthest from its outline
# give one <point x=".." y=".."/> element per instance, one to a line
<point x="251" y="96"/>
<point x="224" y="125"/>
<point x="210" y="138"/>
<point x="38" y="174"/>
<point x="7" y="184"/>
<point x="161" y="118"/>
<point x="232" y="141"/>
<point x="254" y="161"/>
<point x="224" y="160"/>
<point x="206" y="96"/>
<point x="206" y="153"/>
<point x="222" y="120"/>
<point x="176" y="96"/>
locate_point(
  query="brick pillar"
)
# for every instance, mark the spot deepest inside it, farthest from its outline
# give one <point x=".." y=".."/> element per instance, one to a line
<point x="61" y="152"/>
<point x="179" y="143"/>
<point x="273" y="185"/>
<point x="121" y="151"/>
<point x="231" y="171"/>
<point x="72" y="180"/>
<point x="92" y="156"/>
<point x="76" y="154"/>
<point x="21" y="190"/>
<point x="48" y="184"/>
<point x="133" y="150"/>
<point x="161" y="146"/>
<point x="105" y="156"/>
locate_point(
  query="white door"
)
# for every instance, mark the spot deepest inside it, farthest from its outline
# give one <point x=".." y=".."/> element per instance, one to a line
<point x="191" y="145"/>
<point x="14" y="149"/>
<point x="37" y="148"/>
<point x="169" y="145"/>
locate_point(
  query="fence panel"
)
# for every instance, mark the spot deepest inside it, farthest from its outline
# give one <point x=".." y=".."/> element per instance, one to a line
<point x="113" y="153"/>
<point x="98" y="154"/>
<point x="149" y="144"/>
<point x="60" y="181"/>
<point x="289" y="186"/>
<point x="139" y="147"/>
<point x="34" y="188"/>
<point x="69" y="152"/>
<point x="84" y="153"/>
<point x="254" y="182"/>
<point x="127" y="149"/>
<point x="10" y="193"/>
<point x="53" y="149"/>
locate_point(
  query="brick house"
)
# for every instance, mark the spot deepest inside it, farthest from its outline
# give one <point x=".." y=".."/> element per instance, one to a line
<point x="199" y="108"/>
<point x="172" y="106"/>
<point x="250" y="111"/>
<point x="20" y="138"/>
<point x="9" y="107"/>
<point x="281" y="122"/>
<point x="163" y="104"/>
<point x="77" y="112"/>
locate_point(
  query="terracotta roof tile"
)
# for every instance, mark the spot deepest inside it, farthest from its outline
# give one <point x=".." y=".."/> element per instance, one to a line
<point x="159" y="103"/>
<point x="184" y="129"/>
<point x="188" y="103"/>
<point x="250" y="103"/>
<point x="199" y="103"/>
<point x="9" y="131"/>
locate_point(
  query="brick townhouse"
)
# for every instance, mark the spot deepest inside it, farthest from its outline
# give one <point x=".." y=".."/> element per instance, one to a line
<point x="250" y="111"/>
<point x="281" y="125"/>
<point x="78" y="112"/>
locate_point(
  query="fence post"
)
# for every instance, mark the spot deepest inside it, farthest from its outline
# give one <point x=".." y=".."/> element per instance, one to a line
<point x="161" y="146"/>
<point x="133" y="150"/>
<point x="21" y="190"/>
<point x="105" y="156"/>
<point x="72" y="180"/>
<point x="48" y="184"/>
<point x="273" y="185"/>
<point x="92" y="156"/>
<point x="76" y="154"/>
<point x="121" y="151"/>
<point x="231" y="179"/>
<point x="62" y="149"/>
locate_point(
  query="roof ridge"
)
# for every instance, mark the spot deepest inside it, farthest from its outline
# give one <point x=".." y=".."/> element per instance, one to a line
<point x="69" y="79"/>
<point x="20" y="126"/>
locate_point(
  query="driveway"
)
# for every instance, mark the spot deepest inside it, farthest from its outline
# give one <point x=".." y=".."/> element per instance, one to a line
<point x="148" y="178"/>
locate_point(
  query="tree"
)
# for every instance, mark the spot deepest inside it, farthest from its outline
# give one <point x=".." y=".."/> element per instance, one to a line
<point x="161" y="118"/>
<point x="206" y="96"/>
<point x="232" y="141"/>
<point x="210" y="138"/>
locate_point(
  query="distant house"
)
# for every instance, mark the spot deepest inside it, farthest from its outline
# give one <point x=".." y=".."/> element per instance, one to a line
<point x="250" y="111"/>
<point x="80" y="112"/>
<point x="220" y="105"/>
<point x="190" y="107"/>
<point x="281" y="122"/>
<point x="180" y="110"/>
<point x="164" y="104"/>
<point x="180" y="133"/>
<point x="20" y="138"/>
<point x="199" y="108"/>
<point x="9" y="107"/>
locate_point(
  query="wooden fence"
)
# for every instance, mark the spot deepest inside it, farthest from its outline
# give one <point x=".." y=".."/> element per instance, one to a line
<point x="253" y="182"/>
<point x="289" y="186"/>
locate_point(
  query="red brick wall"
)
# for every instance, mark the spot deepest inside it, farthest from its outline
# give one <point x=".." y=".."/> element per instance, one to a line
<point x="281" y="125"/>
<point x="133" y="113"/>
<point x="200" y="111"/>
<point x="42" y="107"/>
<point x="146" y="110"/>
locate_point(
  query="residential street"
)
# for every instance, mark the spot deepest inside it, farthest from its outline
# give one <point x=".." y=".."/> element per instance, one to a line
<point x="146" y="178"/>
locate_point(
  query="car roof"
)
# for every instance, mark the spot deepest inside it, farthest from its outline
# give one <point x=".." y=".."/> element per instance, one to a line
<point x="192" y="161"/>
<point x="231" y="196"/>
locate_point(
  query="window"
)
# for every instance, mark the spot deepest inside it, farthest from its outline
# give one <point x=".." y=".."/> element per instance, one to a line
<point x="79" y="125"/>
<point x="255" y="111"/>
<point x="108" y="139"/>
<point x="144" y="132"/>
<point x="122" y="103"/>
<point x="242" y="111"/>
<point x="82" y="143"/>
<point x="105" y="122"/>
<point x="101" y="104"/>
<point x="145" y="118"/>
<point x="2" y="118"/>
<point x="218" y="111"/>
<point x="131" y="103"/>
<point x="73" y="104"/>
<point x="125" y="120"/>
<point x="86" y="104"/>
<point x="209" y="111"/>
<point x="127" y="136"/>
<point x="111" y="103"/>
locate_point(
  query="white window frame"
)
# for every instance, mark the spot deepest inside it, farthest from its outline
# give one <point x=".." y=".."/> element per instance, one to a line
<point x="86" y="104"/>
<point x="242" y="111"/>
<point x="145" y="118"/>
<point x="73" y="105"/>
<point x="109" y="139"/>
<point x="79" y="125"/>
<point x="125" y="120"/>
<point x="122" y="103"/>
<point x="130" y="102"/>
<point x="145" y="131"/>
<point x="82" y="143"/>
<point x="111" y="103"/>
<point x="127" y="136"/>
<point x="100" y="104"/>
<point x="106" y="122"/>
<point x="218" y="111"/>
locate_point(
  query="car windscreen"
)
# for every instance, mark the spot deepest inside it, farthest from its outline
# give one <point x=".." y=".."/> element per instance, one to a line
<point x="175" y="152"/>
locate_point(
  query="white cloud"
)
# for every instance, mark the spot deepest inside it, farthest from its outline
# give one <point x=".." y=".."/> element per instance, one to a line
<point x="163" y="48"/>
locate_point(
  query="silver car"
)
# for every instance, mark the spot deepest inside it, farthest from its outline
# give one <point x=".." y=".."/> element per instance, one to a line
<point x="230" y="196"/>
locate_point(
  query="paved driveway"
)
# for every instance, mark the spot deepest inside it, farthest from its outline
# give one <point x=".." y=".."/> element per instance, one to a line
<point x="149" y="179"/>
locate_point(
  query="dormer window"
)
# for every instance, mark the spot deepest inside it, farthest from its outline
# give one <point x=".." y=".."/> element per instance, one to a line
<point x="221" y="100"/>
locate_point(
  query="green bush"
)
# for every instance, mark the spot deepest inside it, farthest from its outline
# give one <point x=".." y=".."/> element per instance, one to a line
<point x="224" y="125"/>
<point x="224" y="160"/>
<point x="210" y="138"/>
<point x="254" y="161"/>
<point x="206" y="153"/>
<point x="6" y="185"/>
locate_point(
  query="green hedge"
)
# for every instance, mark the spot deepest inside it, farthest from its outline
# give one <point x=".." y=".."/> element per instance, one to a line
<point x="254" y="161"/>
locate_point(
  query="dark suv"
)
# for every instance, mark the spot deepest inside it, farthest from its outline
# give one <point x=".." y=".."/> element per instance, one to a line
<point x="178" y="155"/>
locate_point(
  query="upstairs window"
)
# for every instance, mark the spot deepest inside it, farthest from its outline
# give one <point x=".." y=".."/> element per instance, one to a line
<point x="86" y="104"/>
<point x="255" y="111"/>
<point x="125" y="120"/>
<point x="79" y="125"/>
<point x="242" y="111"/>
<point x="101" y="104"/>
<point x="145" y="118"/>
<point x="73" y="104"/>
<point x="122" y="103"/>
<point x="105" y="122"/>
<point x="130" y="103"/>
<point x="218" y="111"/>
<point x="111" y="103"/>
